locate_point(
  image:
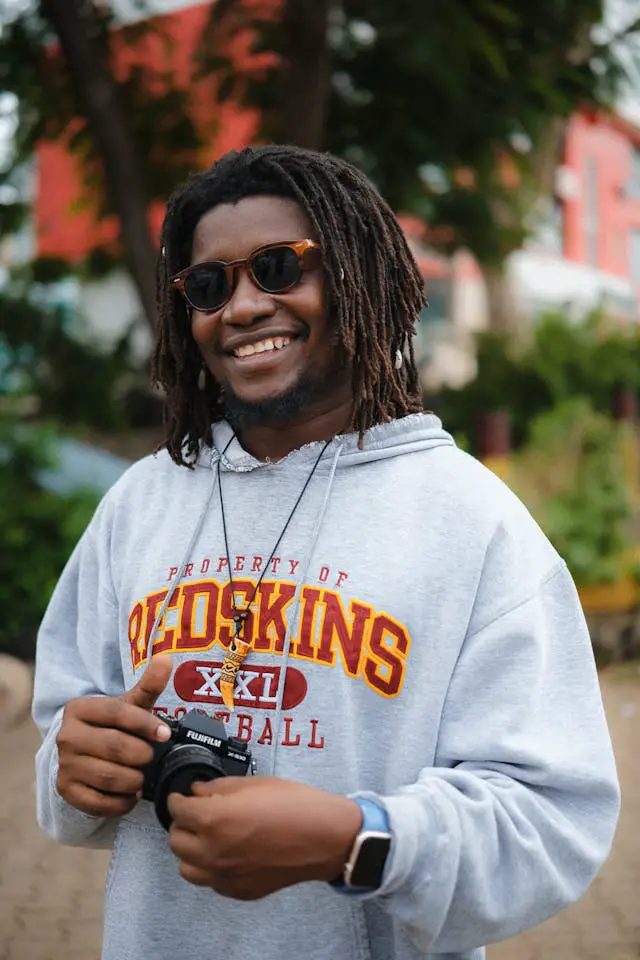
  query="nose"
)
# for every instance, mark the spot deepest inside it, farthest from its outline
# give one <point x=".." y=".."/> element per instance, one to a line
<point x="248" y="303"/>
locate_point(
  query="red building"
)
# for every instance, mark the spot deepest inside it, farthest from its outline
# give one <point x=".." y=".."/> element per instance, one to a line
<point x="601" y="209"/>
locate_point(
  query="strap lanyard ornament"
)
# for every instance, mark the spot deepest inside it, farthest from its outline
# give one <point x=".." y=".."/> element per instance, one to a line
<point x="239" y="648"/>
<point x="233" y="660"/>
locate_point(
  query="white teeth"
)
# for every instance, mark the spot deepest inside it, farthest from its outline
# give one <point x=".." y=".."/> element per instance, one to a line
<point x="262" y="346"/>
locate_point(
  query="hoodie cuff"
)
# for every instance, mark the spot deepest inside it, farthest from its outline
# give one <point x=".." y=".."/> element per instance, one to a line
<point x="409" y="822"/>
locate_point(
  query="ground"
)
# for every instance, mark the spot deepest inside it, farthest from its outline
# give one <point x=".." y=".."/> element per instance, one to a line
<point x="51" y="897"/>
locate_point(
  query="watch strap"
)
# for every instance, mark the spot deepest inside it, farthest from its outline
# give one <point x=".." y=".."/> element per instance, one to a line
<point x="375" y="820"/>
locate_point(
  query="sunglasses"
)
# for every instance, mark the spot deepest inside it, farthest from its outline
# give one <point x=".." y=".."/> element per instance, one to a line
<point x="274" y="268"/>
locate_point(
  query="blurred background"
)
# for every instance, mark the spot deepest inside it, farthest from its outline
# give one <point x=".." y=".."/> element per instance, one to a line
<point x="505" y="135"/>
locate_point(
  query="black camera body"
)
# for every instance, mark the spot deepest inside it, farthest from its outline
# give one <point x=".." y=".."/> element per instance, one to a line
<point x="198" y="749"/>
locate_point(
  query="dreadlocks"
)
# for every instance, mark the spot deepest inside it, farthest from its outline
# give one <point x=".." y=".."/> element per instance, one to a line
<point x="373" y="289"/>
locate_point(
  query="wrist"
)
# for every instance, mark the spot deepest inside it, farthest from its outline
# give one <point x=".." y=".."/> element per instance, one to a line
<point x="363" y="871"/>
<point x="345" y="827"/>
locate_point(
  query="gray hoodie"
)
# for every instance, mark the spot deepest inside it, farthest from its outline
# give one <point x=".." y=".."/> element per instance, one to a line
<point x="416" y="638"/>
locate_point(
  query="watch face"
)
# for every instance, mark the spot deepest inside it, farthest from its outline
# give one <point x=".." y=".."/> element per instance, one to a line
<point x="369" y="866"/>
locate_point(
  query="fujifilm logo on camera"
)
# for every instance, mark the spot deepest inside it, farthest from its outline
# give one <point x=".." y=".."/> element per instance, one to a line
<point x="203" y="738"/>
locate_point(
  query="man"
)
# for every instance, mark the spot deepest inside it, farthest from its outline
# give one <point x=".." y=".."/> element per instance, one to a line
<point x="312" y="560"/>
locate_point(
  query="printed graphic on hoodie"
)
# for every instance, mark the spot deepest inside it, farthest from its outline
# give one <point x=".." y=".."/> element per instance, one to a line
<point x="368" y="644"/>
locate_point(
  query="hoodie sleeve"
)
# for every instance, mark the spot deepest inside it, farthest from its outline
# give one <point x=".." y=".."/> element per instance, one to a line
<point x="77" y="655"/>
<point x="518" y="814"/>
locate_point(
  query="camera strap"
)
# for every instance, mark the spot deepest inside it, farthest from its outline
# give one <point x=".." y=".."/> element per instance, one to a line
<point x="239" y="648"/>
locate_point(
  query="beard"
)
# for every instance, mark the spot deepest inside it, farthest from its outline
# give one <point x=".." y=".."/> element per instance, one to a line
<point x="283" y="408"/>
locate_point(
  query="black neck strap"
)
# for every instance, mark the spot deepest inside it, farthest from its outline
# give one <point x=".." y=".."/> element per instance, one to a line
<point x="240" y="615"/>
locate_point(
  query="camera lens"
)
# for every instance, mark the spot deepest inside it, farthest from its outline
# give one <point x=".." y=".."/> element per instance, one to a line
<point x="182" y="767"/>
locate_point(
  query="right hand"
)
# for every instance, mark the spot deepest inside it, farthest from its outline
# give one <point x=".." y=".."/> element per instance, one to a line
<point x="103" y="743"/>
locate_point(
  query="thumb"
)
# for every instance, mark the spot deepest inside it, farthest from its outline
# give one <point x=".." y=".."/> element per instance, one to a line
<point x="151" y="683"/>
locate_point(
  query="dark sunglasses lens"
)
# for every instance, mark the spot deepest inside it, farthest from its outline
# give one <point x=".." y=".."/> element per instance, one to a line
<point x="206" y="288"/>
<point x="276" y="269"/>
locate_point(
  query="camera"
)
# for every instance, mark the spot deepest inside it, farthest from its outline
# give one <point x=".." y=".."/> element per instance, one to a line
<point x="198" y="749"/>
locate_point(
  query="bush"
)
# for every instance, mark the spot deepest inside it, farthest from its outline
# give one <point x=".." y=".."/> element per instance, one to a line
<point x="572" y="476"/>
<point x="38" y="531"/>
<point x="563" y="361"/>
<point x="73" y="382"/>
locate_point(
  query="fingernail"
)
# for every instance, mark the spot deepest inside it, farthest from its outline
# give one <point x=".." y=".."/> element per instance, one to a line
<point x="163" y="732"/>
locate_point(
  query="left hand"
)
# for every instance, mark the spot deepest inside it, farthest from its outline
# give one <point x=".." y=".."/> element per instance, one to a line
<point x="247" y="837"/>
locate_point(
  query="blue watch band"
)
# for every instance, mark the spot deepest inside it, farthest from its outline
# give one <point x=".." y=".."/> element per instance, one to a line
<point x="374" y="815"/>
<point x="374" y="819"/>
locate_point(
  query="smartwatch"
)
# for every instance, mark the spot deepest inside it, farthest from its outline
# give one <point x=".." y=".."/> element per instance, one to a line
<point x="365" y="865"/>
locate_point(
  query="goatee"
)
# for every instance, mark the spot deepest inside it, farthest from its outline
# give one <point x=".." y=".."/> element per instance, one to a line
<point x="280" y="409"/>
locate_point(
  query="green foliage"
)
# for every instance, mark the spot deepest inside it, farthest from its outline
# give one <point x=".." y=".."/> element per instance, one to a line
<point x="67" y="380"/>
<point x="563" y="361"/>
<point x="415" y="86"/>
<point x="419" y="87"/>
<point x="48" y="270"/>
<point x="158" y="108"/>
<point x="38" y="531"/>
<point x="572" y="477"/>
<point x="12" y="217"/>
<point x="458" y="87"/>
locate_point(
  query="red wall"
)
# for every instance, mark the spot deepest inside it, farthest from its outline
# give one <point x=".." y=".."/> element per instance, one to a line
<point x="609" y="143"/>
<point x="66" y="224"/>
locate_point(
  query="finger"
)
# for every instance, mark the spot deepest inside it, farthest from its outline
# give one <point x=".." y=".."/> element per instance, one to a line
<point x="228" y="786"/>
<point x="96" y="804"/>
<point x="191" y="813"/>
<point x="195" y="875"/>
<point x="104" y="743"/>
<point x="221" y="786"/>
<point x="188" y="847"/>
<point x="106" y="777"/>
<point x="115" y="713"/>
<point x="151" y="683"/>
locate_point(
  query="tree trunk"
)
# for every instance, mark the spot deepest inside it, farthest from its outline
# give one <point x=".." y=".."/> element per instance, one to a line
<point x="501" y="310"/>
<point x="547" y="156"/>
<point x="98" y="101"/>
<point x="305" y="73"/>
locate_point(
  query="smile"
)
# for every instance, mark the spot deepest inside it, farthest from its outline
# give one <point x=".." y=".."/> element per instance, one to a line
<point x="267" y="345"/>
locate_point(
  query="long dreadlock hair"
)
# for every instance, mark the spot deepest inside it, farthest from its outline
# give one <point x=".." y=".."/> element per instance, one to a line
<point x="373" y="288"/>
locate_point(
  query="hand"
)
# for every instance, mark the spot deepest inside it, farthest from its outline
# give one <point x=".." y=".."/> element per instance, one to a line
<point x="247" y="837"/>
<point x="102" y="745"/>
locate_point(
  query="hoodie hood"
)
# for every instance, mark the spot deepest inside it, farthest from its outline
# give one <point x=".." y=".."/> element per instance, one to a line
<point x="416" y="432"/>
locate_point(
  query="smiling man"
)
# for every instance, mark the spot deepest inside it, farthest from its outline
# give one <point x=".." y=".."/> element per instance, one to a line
<point x="288" y="369"/>
<point x="369" y="611"/>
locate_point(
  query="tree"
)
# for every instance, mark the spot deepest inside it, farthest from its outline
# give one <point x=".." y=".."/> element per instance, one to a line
<point x="456" y="110"/>
<point x="131" y="130"/>
<point x="304" y="79"/>
<point x="81" y="33"/>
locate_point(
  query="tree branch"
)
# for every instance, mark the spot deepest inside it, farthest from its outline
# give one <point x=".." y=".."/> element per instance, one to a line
<point x="97" y="97"/>
<point x="633" y="27"/>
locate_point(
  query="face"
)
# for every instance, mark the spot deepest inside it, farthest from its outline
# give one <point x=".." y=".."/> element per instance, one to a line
<point x="275" y="355"/>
